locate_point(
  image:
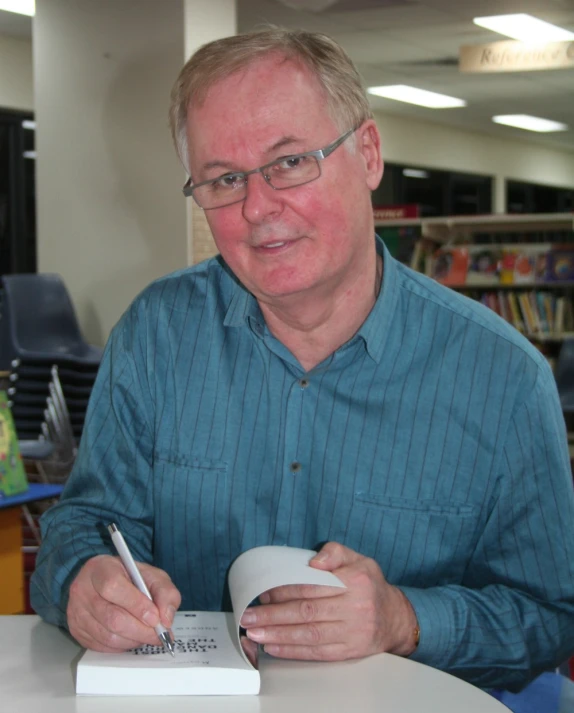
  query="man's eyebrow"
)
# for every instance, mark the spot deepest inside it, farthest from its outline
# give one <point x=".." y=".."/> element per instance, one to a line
<point x="227" y="166"/>
<point x="285" y="141"/>
<point x="217" y="164"/>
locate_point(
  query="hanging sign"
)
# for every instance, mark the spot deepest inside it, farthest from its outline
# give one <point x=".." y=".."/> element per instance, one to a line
<point x="511" y="56"/>
<point x="395" y="212"/>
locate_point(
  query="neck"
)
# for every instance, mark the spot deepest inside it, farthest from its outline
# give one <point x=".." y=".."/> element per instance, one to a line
<point x="313" y="328"/>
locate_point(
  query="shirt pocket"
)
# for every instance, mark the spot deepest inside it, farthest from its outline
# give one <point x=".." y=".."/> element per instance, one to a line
<point x="417" y="542"/>
<point x="191" y="497"/>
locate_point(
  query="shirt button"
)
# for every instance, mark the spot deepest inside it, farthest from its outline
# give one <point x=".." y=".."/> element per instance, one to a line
<point x="303" y="383"/>
<point x="295" y="467"/>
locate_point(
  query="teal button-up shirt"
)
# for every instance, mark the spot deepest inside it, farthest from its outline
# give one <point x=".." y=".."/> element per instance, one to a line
<point x="432" y="441"/>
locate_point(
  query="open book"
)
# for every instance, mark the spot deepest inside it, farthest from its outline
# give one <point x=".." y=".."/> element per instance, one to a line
<point x="209" y="652"/>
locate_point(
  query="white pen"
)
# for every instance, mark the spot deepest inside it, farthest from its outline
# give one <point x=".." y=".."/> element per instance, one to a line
<point x="135" y="575"/>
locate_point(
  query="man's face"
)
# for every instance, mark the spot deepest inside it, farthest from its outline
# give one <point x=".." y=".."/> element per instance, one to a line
<point x="309" y="240"/>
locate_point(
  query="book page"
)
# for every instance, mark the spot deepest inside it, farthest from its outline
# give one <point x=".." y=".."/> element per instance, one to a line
<point x="263" y="568"/>
<point x="200" y="639"/>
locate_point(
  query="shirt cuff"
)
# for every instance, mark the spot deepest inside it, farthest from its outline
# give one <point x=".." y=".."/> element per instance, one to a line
<point x="435" y="621"/>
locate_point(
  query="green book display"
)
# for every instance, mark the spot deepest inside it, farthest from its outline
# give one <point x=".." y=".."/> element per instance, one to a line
<point x="12" y="474"/>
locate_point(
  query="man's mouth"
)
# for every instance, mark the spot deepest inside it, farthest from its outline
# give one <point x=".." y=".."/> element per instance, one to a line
<point x="267" y="246"/>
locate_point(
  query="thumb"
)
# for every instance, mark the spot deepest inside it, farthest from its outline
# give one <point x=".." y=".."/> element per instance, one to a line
<point x="332" y="556"/>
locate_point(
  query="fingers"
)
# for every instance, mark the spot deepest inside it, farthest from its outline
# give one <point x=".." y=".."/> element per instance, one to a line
<point x="298" y="591"/>
<point x="164" y="593"/>
<point x="113" y="586"/>
<point x="294" y="612"/>
<point x="322" y="637"/>
<point x="107" y="612"/>
<point x="112" y="636"/>
<point x="312" y="634"/>
<point x="116" y="626"/>
<point x="250" y="649"/>
<point x="330" y="652"/>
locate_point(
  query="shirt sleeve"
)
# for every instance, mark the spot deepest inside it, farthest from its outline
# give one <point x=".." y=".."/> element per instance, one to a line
<point x="110" y="481"/>
<point x="512" y="616"/>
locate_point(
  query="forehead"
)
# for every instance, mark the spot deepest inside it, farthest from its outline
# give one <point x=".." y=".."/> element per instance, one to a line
<point x="257" y="106"/>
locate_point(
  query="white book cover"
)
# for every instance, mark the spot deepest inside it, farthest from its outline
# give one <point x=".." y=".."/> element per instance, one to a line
<point x="209" y="658"/>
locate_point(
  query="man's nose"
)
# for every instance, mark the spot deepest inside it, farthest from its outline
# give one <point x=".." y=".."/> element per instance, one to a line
<point x="261" y="200"/>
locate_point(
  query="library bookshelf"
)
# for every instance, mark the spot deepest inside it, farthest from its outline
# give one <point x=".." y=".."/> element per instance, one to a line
<point x="521" y="266"/>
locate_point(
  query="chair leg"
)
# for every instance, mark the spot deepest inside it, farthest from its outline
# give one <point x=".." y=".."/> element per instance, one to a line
<point x="31" y="524"/>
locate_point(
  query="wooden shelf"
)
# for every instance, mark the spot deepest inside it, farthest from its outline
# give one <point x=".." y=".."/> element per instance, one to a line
<point x="550" y="337"/>
<point x="486" y="286"/>
<point x="456" y="228"/>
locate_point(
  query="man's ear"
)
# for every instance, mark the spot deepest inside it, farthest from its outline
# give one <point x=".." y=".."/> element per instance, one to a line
<point x="369" y="146"/>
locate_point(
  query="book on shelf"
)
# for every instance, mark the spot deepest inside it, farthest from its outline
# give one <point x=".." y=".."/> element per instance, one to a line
<point x="525" y="265"/>
<point x="560" y="264"/>
<point x="504" y="307"/>
<point x="212" y="656"/>
<point x="515" y="311"/>
<point x="13" y="478"/>
<point x="449" y="265"/>
<point x="537" y="313"/>
<point x="542" y="312"/>
<point x="401" y="242"/>
<point x="564" y="315"/>
<point x="527" y="314"/>
<point x="509" y="265"/>
<point x="484" y="267"/>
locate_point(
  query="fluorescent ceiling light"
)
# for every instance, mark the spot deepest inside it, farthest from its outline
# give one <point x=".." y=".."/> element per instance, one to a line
<point x="412" y="95"/>
<point x="524" y="28"/>
<point x="530" y="123"/>
<point x="22" y="7"/>
<point x="415" y="173"/>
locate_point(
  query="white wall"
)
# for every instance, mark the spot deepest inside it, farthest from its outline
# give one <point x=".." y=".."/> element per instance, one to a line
<point x="16" y="79"/>
<point x="407" y="140"/>
<point x="111" y="215"/>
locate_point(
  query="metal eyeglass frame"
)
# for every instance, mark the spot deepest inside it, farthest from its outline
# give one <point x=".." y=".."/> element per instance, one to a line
<point x="320" y="154"/>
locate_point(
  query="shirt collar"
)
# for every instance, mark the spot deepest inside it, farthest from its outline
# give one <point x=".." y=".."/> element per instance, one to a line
<point x="243" y="307"/>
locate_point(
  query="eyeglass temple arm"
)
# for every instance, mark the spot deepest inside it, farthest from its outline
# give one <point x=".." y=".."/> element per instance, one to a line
<point x="335" y="145"/>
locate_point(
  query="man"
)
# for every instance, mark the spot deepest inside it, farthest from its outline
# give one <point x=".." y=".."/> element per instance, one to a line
<point x="305" y="388"/>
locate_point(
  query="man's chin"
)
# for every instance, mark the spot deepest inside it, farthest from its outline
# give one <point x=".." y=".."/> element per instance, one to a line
<point x="274" y="294"/>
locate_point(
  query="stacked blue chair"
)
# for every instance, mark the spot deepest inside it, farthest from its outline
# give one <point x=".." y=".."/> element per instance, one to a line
<point x="52" y="368"/>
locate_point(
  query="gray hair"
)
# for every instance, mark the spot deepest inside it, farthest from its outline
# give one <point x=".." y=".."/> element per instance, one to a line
<point x="346" y="99"/>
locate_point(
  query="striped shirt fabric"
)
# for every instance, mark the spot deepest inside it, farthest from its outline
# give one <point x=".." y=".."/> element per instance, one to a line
<point x="432" y="441"/>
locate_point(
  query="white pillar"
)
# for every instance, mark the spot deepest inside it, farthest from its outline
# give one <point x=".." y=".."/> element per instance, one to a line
<point x="207" y="21"/>
<point x="499" y="197"/>
<point x="204" y="21"/>
<point x="111" y="215"/>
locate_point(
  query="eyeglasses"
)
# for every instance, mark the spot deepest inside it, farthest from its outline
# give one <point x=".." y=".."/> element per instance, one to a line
<point x="285" y="172"/>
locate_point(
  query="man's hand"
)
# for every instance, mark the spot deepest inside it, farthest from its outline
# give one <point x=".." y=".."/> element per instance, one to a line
<point x="332" y="624"/>
<point x="106" y="612"/>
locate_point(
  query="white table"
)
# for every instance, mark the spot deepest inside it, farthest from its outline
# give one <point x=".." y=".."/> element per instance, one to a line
<point x="37" y="673"/>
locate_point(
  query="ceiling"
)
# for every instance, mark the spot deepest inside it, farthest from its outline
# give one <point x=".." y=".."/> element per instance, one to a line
<point x="417" y="42"/>
<point x="15" y="25"/>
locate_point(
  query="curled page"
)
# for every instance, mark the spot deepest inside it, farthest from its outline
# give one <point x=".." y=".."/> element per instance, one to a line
<point x="263" y="568"/>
